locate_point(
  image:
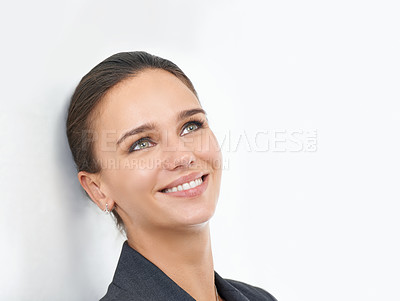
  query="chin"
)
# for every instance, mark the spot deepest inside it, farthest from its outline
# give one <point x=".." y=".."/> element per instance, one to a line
<point x="196" y="217"/>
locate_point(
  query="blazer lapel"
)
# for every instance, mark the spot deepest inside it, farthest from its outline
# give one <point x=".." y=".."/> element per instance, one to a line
<point x="228" y="291"/>
<point x="138" y="275"/>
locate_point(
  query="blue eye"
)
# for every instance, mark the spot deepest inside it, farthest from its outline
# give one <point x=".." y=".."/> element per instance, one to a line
<point x="192" y="126"/>
<point x="140" y="144"/>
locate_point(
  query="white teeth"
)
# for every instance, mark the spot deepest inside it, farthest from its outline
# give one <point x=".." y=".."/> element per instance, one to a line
<point x="185" y="186"/>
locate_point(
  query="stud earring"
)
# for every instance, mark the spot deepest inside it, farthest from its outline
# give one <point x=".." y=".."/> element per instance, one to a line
<point x="106" y="210"/>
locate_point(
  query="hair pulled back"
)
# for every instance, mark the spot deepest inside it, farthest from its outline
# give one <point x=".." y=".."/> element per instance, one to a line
<point x="91" y="90"/>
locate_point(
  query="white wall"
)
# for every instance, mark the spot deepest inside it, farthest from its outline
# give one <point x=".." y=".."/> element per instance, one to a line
<point x="305" y="225"/>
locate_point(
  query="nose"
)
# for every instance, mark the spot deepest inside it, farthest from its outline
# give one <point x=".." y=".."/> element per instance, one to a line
<point x="178" y="159"/>
<point x="181" y="156"/>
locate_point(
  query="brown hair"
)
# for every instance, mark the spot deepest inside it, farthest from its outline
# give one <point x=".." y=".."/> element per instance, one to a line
<point x="91" y="90"/>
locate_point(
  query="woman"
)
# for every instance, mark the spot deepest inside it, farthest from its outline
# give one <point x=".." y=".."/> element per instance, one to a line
<point x="145" y="153"/>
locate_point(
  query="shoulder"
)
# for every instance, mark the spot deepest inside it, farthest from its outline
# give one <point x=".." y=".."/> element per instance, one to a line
<point x="250" y="291"/>
<point x="116" y="293"/>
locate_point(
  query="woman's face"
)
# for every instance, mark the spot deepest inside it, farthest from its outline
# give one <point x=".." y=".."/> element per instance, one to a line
<point x="137" y="165"/>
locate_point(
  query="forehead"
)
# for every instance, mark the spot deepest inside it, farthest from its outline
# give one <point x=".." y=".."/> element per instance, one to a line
<point x="151" y="96"/>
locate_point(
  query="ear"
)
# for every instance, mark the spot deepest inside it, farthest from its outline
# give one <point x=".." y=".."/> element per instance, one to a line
<point x="91" y="183"/>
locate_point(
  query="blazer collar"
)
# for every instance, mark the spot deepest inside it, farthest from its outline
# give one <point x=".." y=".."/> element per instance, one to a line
<point x="136" y="273"/>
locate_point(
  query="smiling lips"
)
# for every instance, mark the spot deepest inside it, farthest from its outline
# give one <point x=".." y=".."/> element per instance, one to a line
<point x="187" y="186"/>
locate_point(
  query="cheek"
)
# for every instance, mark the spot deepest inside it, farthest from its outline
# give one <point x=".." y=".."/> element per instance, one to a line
<point x="130" y="183"/>
<point x="210" y="151"/>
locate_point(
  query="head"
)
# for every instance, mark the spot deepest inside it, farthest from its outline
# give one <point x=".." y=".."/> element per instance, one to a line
<point x="135" y="126"/>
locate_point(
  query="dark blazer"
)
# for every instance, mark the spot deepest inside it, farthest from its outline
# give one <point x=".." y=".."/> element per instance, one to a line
<point x="138" y="279"/>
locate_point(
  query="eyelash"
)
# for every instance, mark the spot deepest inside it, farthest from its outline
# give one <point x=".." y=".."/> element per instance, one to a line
<point x="199" y="123"/>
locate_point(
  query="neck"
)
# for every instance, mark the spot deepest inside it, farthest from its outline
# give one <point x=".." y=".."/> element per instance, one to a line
<point x="184" y="256"/>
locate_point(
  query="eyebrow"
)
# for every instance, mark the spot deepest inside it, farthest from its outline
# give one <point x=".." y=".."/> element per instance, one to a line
<point x="150" y="126"/>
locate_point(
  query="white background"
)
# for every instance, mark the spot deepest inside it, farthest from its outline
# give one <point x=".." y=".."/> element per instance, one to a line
<point x="304" y="225"/>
